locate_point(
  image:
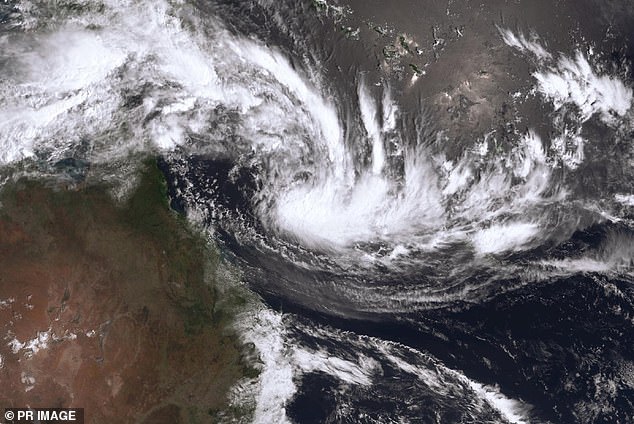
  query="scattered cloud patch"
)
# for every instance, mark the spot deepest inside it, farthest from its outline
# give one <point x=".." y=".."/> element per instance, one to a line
<point x="573" y="81"/>
<point x="626" y="199"/>
<point x="502" y="238"/>
<point x="525" y="45"/>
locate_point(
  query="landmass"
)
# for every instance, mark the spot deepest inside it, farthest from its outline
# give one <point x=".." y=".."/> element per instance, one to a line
<point x="111" y="307"/>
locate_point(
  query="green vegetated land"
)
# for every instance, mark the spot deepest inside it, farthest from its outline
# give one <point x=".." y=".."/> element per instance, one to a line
<point x="142" y="281"/>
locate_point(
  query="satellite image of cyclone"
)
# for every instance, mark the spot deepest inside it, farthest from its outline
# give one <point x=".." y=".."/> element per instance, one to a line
<point x="318" y="211"/>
